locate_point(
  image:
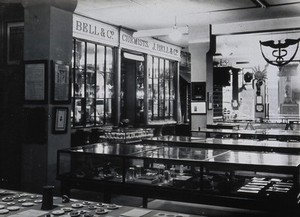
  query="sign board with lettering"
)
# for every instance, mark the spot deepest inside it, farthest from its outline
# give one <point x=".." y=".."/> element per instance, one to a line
<point x="96" y="31"/>
<point x="149" y="46"/>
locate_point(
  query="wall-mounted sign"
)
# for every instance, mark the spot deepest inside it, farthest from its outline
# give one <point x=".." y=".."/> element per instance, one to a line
<point x="93" y="30"/>
<point x="149" y="45"/>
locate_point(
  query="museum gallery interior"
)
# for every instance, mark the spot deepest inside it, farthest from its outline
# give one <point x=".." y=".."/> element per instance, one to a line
<point x="175" y="108"/>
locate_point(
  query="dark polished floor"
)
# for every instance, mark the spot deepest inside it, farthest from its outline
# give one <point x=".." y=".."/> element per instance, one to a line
<point x="188" y="208"/>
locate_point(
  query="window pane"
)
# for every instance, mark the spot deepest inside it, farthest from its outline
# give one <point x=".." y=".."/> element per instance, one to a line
<point x="150" y="67"/>
<point x="100" y="111"/>
<point x="108" y="110"/>
<point x="100" y="85"/>
<point x="161" y="69"/>
<point x="90" y="113"/>
<point x="167" y="69"/>
<point x="167" y="109"/>
<point x="150" y="108"/>
<point x="155" y="67"/>
<point x="161" y="108"/>
<point x="109" y="59"/>
<point x="155" y="109"/>
<point x="167" y="89"/>
<point x="100" y="58"/>
<point x="109" y="85"/>
<point x="79" y="69"/>
<point x="172" y="109"/>
<point x="78" y="110"/>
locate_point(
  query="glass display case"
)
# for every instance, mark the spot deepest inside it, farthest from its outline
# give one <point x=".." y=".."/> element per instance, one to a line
<point x="190" y="174"/>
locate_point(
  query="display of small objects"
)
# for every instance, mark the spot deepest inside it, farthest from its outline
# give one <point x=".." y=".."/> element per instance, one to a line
<point x="264" y="185"/>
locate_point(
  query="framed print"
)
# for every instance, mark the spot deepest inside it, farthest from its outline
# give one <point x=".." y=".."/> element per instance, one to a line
<point x="61" y="83"/>
<point x="36" y="87"/>
<point x="198" y="108"/>
<point x="198" y="90"/>
<point x="15" y="42"/>
<point x="60" y="117"/>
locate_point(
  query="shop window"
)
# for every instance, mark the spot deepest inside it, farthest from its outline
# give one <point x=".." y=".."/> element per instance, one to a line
<point x="161" y="89"/>
<point x="92" y="85"/>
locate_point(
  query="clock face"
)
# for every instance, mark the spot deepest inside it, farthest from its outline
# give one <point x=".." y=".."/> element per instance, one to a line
<point x="259" y="107"/>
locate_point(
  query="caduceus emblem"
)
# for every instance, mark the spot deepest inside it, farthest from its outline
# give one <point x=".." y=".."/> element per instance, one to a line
<point x="279" y="52"/>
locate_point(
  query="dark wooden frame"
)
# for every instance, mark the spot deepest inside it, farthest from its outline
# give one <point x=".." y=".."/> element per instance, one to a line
<point x="61" y="83"/>
<point x="198" y="91"/>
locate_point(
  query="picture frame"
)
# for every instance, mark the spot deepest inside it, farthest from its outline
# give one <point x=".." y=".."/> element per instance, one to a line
<point x="259" y="108"/>
<point x="15" y="43"/>
<point x="36" y="81"/>
<point x="61" y="83"/>
<point x="198" y="91"/>
<point x="60" y="120"/>
<point x="198" y="107"/>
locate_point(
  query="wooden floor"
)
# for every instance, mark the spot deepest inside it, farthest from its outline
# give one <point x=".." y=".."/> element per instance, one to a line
<point x="187" y="208"/>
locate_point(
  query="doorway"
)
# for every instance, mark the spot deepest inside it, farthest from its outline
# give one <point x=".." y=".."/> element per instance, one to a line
<point x="133" y="88"/>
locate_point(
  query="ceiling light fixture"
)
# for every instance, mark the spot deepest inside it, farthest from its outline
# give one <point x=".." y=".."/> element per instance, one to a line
<point x="175" y="34"/>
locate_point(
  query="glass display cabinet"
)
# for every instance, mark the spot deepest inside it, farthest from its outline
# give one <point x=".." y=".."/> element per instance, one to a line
<point x="92" y="85"/>
<point x="189" y="174"/>
<point x="161" y="89"/>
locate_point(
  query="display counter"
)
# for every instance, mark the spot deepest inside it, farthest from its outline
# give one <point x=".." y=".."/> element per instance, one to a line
<point x="21" y="204"/>
<point x="262" y="134"/>
<point x="199" y="175"/>
<point x="228" y="143"/>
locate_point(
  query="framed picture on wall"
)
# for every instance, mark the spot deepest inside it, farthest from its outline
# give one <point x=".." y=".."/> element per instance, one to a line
<point x="36" y="88"/>
<point x="60" y="120"/>
<point x="15" y="42"/>
<point x="198" y="90"/>
<point x="61" y="84"/>
<point x="198" y="108"/>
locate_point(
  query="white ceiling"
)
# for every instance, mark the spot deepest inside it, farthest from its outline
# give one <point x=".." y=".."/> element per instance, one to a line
<point x="155" y="14"/>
